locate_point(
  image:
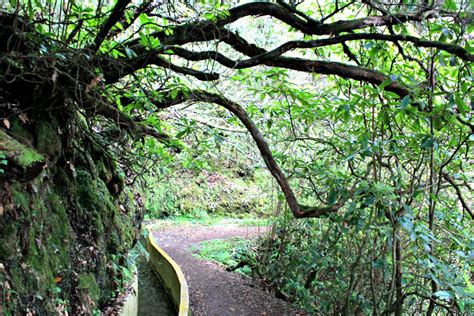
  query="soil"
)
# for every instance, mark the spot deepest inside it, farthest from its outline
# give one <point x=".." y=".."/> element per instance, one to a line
<point x="213" y="290"/>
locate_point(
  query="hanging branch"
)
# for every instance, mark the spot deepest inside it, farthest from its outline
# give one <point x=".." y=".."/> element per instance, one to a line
<point x="298" y="210"/>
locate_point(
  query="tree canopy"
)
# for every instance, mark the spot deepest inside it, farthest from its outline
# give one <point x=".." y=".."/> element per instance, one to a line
<point x="361" y="110"/>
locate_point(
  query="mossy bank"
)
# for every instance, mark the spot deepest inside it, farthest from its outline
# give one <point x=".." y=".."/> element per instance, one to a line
<point x="67" y="220"/>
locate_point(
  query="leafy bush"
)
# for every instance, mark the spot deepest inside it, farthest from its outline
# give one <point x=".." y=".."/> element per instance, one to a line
<point x="334" y="268"/>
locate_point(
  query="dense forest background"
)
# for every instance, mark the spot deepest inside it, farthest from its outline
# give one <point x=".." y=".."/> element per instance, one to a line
<point x="349" y="123"/>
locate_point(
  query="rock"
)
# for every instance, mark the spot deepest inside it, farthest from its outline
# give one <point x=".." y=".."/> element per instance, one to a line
<point x="23" y="163"/>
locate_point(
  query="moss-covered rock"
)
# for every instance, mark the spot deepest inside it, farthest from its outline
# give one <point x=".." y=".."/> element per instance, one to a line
<point x="21" y="132"/>
<point x="65" y="223"/>
<point x="48" y="141"/>
<point x="20" y="154"/>
<point x="8" y="248"/>
<point x="63" y="235"/>
<point x="213" y="193"/>
<point x="89" y="283"/>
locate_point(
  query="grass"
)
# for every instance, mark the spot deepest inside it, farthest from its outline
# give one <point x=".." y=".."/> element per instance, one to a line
<point x="227" y="252"/>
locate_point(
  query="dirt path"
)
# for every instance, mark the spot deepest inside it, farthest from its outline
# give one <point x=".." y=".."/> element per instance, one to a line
<point x="214" y="291"/>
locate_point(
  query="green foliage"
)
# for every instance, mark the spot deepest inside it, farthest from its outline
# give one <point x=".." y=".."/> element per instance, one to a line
<point x="321" y="266"/>
<point x="160" y="201"/>
<point x="198" y="194"/>
<point x="48" y="141"/>
<point x="122" y="274"/>
<point x="59" y="227"/>
<point x="88" y="282"/>
<point x="228" y="252"/>
<point x="28" y="157"/>
<point x="394" y="169"/>
<point x="3" y="162"/>
<point x="23" y="155"/>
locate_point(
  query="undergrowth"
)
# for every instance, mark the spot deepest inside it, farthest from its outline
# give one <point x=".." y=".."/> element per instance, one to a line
<point x="230" y="253"/>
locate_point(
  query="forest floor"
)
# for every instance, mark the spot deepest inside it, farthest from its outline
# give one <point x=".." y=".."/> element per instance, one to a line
<point x="213" y="290"/>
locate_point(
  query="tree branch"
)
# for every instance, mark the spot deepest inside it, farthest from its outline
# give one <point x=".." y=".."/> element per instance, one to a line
<point x="135" y="128"/>
<point x="144" y="7"/>
<point x="212" y="30"/>
<point x="305" y="65"/>
<point x="299" y="211"/>
<point x="464" y="204"/>
<point x="301" y="14"/>
<point x="114" y="17"/>
<point x="291" y="45"/>
<point x="115" y="69"/>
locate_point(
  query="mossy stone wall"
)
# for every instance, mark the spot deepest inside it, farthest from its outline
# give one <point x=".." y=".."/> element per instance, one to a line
<point x="65" y="229"/>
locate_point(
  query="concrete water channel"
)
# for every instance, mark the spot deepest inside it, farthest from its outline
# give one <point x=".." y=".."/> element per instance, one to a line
<point x="161" y="288"/>
<point x="152" y="297"/>
<point x="214" y="290"/>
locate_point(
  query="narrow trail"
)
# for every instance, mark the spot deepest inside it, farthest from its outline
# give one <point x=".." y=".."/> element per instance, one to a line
<point x="213" y="290"/>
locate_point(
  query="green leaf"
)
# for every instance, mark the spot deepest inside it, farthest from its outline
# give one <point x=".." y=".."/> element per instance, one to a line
<point x="444" y="295"/>
<point x="174" y="94"/>
<point x="149" y="41"/>
<point x="130" y="53"/>
<point x="384" y="84"/>
<point x="144" y="19"/>
<point x="406" y="223"/>
<point x="450" y="5"/>
<point x="404" y="103"/>
<point x="369" y="200"/>
<point x="350" y="157"/>
<point x="428" y="142"/>
<point x="332" y="197"/>
<point x="181" y="134"/>
<point x="462" y="106"/>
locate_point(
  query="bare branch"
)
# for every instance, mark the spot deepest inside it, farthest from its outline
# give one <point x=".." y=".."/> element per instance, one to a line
<point x="144" y="7"/>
